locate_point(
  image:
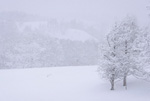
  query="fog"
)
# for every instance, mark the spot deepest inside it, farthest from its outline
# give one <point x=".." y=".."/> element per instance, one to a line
<point x="94" y="11"/>
<point x="47" y="33"/>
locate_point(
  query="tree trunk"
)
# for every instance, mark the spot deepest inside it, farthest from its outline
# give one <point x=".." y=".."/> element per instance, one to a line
<point x="125" y="80"/>
<point x="112" y="82"/>
<point x="112" y="85"/>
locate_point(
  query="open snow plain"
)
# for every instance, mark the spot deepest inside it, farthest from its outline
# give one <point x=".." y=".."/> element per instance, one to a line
<point x="78" y="83"/>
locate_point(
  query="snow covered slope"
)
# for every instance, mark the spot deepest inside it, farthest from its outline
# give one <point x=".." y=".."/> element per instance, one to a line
<point x="74" y="35"/>
<point x="69" y="33"/>
<point x="66" y="84"/>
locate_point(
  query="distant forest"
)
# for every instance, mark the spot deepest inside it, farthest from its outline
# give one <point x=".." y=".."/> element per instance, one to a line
<point x="32" y="41"/>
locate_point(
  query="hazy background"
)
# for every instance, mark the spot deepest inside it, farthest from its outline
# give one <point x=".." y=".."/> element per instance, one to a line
<point x="95" y="11"/>
<point x="47" y="33"/>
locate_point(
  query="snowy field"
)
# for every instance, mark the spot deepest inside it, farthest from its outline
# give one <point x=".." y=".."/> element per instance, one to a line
<point x="66" y="84"/>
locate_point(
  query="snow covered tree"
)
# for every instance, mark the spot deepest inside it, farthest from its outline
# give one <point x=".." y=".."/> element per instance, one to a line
<point x="142" y="56"/>
<point x="109" y="64"/>
<point x="121" y="41"/>
<point x="127" y="33"/>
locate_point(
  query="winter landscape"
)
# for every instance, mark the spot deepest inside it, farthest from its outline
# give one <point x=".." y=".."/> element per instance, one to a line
<point x="74" y="50"/>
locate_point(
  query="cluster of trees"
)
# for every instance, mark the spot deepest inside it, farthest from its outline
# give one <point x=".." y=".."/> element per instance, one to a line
<point x="126" y="52"/>
<point x="27" y="47"/>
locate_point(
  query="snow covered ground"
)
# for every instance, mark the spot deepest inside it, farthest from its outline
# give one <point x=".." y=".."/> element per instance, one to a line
<point x="80" y="83"/>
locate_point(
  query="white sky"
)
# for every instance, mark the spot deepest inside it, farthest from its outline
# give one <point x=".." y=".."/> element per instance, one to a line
<point x="91" y="10"/>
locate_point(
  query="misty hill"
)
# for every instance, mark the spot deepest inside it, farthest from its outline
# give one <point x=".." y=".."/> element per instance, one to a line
<point x="50" y="26"/>
<point x="28" y="42"/>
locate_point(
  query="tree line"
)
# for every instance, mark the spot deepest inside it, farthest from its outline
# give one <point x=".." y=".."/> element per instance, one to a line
<point x="30" y="48"/>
